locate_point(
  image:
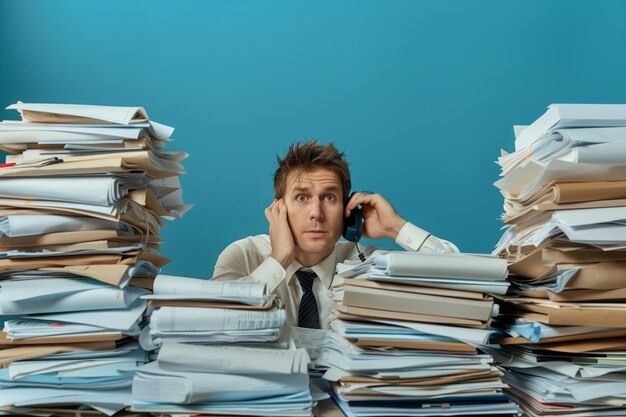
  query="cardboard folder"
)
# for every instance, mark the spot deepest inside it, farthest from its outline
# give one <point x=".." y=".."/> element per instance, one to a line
<point x="95" y="164"/>
<point x="36" y="262"/>
<point x="606" y="275"/>
<point x="568" y="314"/>
<point x="576" y="192"/>
<point x="576" y="295"/>
<point x="599" y="276"/>
<point x="25" y="352"/>
<point x="467" y="376"/>
<point x="362" y="393"/>
<point x="595" y="345"/>
<point x="546" y="260"/>
<point x="24" y="264"/>
<point x="418" y="345"/>
<point x="66" y="238"/>
<point x="365" y="314"/>
<point x="58" y="340"/>
<point x="417" y="303"/>
<point x="454" y="376"/>
<point x="113" y="274"/>
<point x="416" y="289"/>
<point x="530" y="213"/>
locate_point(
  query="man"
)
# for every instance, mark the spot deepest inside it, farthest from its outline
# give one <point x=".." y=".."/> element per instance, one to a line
<point x="297" y="259"/>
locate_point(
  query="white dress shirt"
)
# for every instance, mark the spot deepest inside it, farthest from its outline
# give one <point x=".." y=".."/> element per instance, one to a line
<point x="249" y="260"/>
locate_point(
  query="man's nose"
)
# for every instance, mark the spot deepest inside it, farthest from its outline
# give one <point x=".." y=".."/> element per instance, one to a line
<point x="317" y="210"/>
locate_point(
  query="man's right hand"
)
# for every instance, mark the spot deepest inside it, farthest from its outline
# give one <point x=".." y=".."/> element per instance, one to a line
<point x="283" y="245"/>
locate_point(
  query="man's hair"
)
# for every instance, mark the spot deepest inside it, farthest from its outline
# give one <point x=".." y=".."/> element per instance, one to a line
<point x="306" y="157"/>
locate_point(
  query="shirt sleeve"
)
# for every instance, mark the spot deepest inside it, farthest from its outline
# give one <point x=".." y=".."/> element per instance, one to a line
<point x="237" y="265"/>
<point x="413" y="238"/>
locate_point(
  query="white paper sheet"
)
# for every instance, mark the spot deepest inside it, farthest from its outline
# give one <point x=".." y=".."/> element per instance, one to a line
<point x="29" y="225"/>
<point x="50" y="295"/>
<point x="206" y="319"/>
<point x="111" y="114"/>
<point x="232" y="359"/>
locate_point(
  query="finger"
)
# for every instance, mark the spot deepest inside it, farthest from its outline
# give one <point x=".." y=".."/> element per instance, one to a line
<point x="282" y="207"/>
<point x="268" y="211"/>
<point x="282" y="211"/>
<point x="271" y="205"/>
<point x="275" y="208"/>
<point x="284" y="218"/>
<point x="271" y="211"/>
<point x="352" y="203"/>
<point x="362" y="199"/>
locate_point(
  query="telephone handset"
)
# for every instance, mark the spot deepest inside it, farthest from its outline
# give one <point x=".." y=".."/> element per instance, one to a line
<point x="353" y="224"/>
<point x="353" y="227"/>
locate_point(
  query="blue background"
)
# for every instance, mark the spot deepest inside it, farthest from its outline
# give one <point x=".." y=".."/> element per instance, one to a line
<point x="421" y="95"/>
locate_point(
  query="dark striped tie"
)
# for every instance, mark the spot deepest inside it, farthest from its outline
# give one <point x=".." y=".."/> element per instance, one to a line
<point x="308" y="315"/>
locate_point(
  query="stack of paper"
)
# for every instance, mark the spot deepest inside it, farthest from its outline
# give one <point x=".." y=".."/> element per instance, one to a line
<point x="62" y="411"/>
<point x="191" y="310"/>
<point x="406" y="335"/>
<point x="222" y="349"/>
<point x="564" y="320"/>
<point x="81" y="201"/>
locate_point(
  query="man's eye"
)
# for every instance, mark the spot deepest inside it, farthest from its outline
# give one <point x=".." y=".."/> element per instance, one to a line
<point x="301" y="198"/>
<point x="329" y="197"/>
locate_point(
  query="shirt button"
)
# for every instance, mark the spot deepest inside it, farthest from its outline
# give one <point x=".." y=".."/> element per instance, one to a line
<point x="409" y="241"/>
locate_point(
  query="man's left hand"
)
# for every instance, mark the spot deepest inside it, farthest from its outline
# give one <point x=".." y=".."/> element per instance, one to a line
<point x="380" y="218"/>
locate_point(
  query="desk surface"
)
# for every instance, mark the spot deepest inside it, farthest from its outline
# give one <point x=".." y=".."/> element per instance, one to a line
<point x="327" y="408"/>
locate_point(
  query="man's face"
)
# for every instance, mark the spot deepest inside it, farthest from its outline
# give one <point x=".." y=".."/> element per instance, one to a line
<point x="315" y="210"/>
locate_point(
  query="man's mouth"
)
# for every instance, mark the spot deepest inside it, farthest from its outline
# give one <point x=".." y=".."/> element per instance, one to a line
<point x="316" y="232"/>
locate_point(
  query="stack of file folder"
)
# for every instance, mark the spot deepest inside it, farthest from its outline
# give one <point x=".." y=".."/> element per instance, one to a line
<point x="222" y="350"/>
<point x="82" y="195"/>
<point x="405" y="336"/>
<point x="564" y="319"/>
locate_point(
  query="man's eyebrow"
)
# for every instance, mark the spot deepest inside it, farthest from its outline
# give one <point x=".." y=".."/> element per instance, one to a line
<point x="331" y="188"/>
<point x="300" y="188"/>
<point x="304" y="188"/>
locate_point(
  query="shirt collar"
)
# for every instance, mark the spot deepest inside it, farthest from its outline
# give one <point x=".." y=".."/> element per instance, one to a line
<point x="325" y="269"/>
